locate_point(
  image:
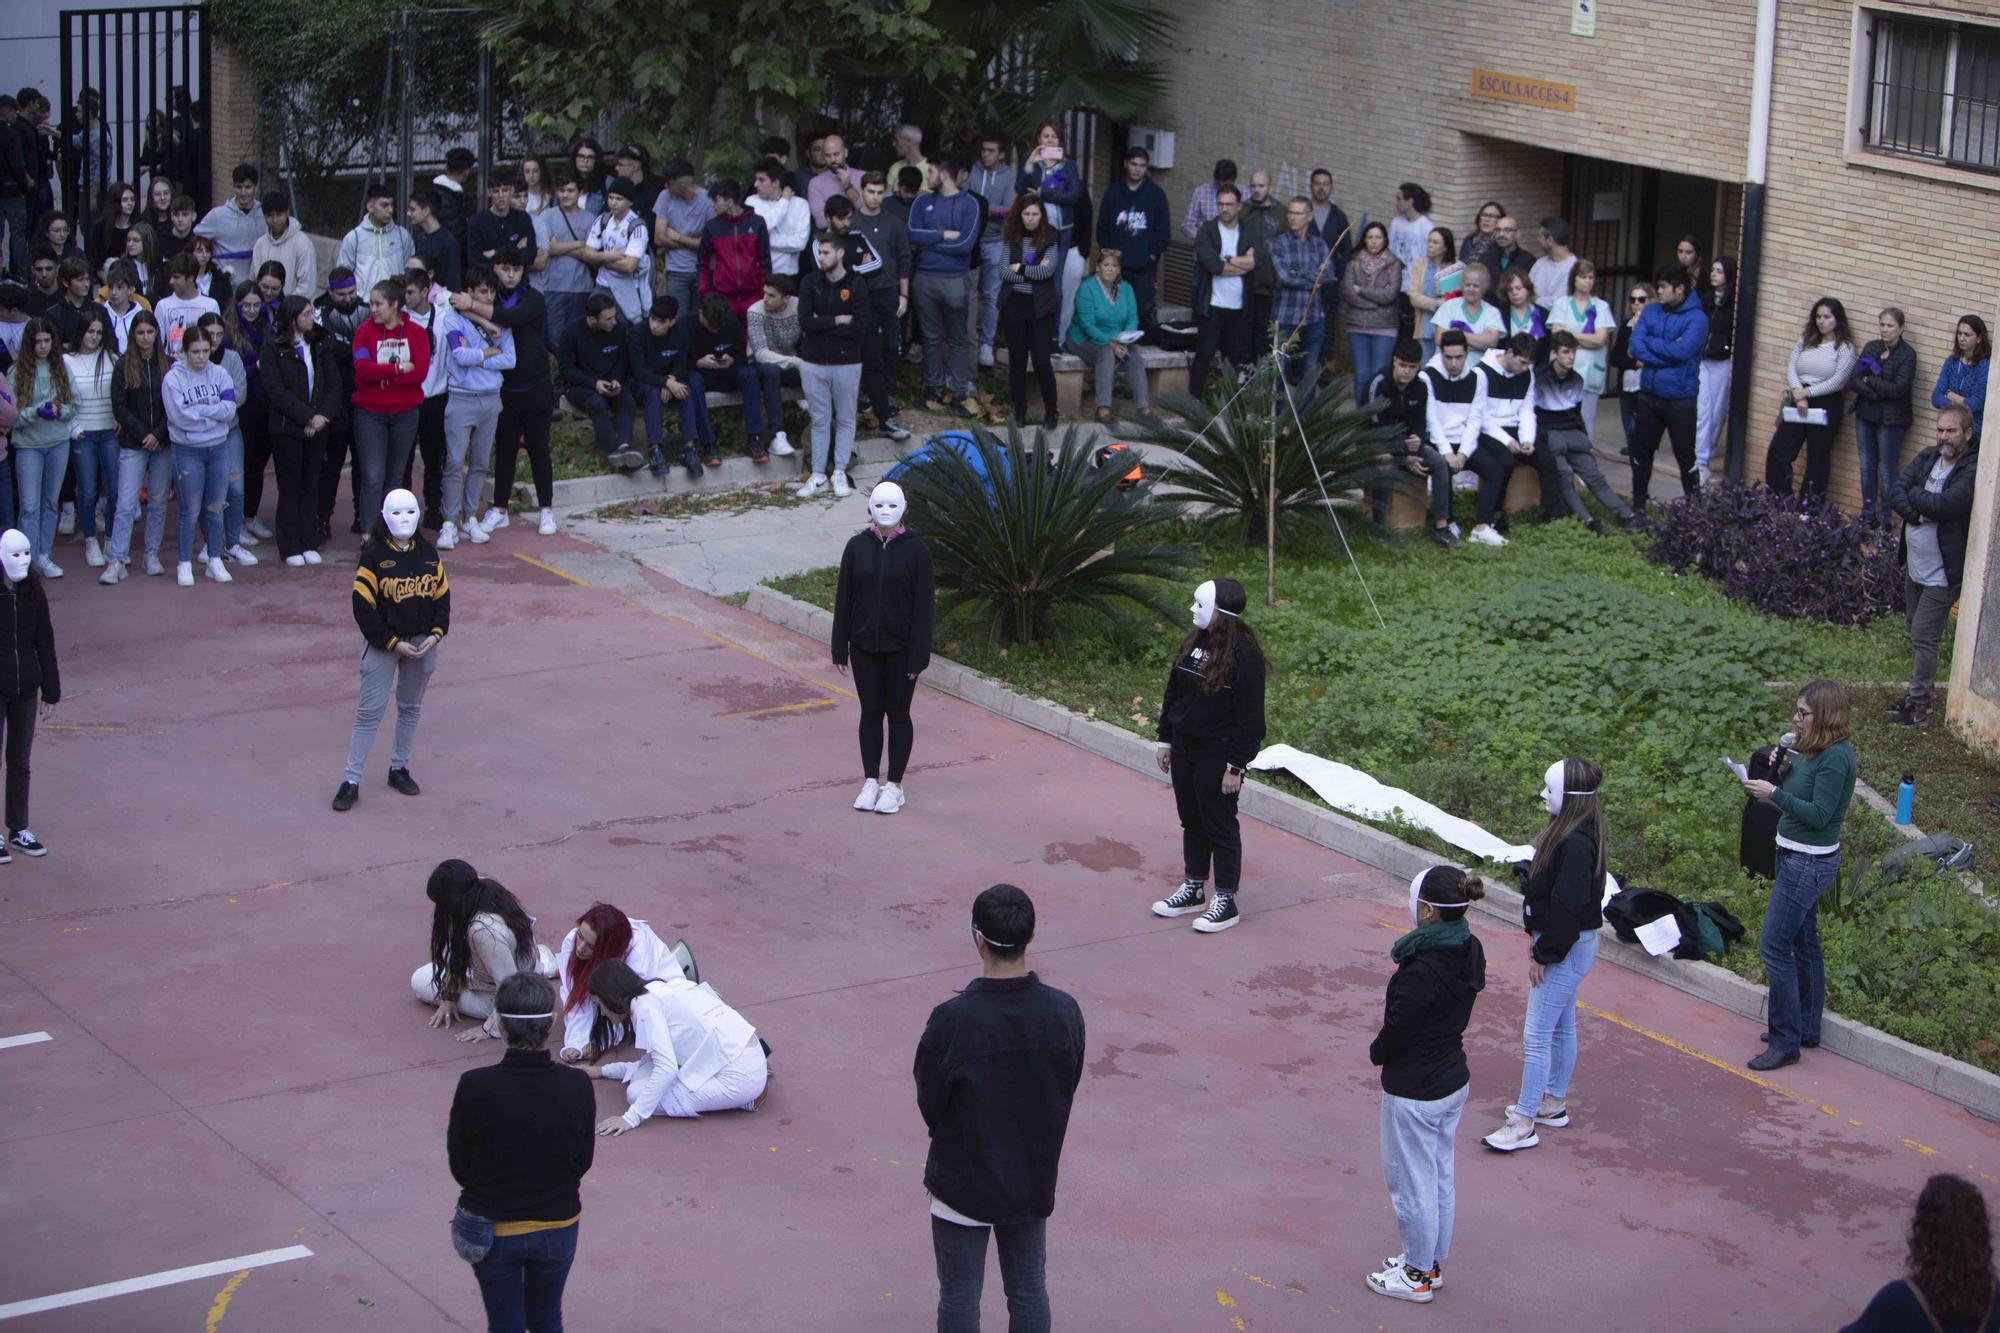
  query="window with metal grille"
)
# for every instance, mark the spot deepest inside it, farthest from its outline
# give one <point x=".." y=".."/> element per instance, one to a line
<point x="1934" y="92"/>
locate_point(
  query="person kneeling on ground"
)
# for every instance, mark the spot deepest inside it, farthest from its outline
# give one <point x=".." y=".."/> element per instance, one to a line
<point x="601" y="934"/>
<point x="1559" y="400"/>
<point x="596" y="369"/>
<point x="1503" y="424"/>
<point x="480" y="936"/>
<point x="696" y="1054"/>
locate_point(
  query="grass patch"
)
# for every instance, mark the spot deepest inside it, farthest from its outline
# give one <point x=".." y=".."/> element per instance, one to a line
<point x="734" y="503"/>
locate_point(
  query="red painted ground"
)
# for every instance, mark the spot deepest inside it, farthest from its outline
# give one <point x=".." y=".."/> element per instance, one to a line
<point x="238" y="1065"/>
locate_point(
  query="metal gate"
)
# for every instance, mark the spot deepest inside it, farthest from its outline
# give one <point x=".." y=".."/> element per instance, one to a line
<point x="134" y="100"/>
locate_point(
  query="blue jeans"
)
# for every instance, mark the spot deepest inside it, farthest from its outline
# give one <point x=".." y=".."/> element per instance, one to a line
<point x="771" y="381"/>
<point x="565" y="312"/>
<point x="39" y="474"/>
<point x="1371" y="353"/>
<point x="96" y="456"/>
<point x="1303" y="363"/>
<point x="232" y="510"/>
<point x="382" y="444"/>
<point x="961" y="1267"/>
<point x="992" y="268"/>
<point x="1548" y="1036"/>
<point x="1417" y="1164"/>
<point x="201" y="478"/>
<point x="742" y="376"/>
<point x="1789" y="946"/>
<point x="1881" y="457"/>
<point x="520" y="1277"/>
<point x="150" y="470"/>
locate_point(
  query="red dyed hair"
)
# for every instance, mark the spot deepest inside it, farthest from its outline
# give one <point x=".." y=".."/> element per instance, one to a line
<point x="614" y="938"/>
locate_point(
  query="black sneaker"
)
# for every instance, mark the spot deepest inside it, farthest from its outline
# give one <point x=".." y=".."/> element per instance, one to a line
<point x="1897" y="709"/>
<point x="400" y="779"/>
<point x="691" y="461"/>
<point x="1221" y="914"/>
<point x="1636" y="522"/>
<point x="656" y="461"/>
<point x="345" y="798"/>
<point x="961" y="408"/>
<point x="6" y="857"/>
<point x="1596" y="525"/>
<point x="28" y="844"/>
<point x="1446" y="538"/>
<point x="1912" y="715"/>
<point x="1189" y="897"/>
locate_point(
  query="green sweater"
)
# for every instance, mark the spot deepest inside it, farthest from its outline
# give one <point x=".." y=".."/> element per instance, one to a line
<point x="1098" y="320"/>
<point x="1813" y="801"/>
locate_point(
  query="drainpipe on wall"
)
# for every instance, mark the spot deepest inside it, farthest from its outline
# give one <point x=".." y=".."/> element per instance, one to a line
<point x="1750" y="260"/>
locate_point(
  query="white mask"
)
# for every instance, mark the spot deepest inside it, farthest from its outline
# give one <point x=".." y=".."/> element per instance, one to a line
<point x="1204" y="605"/>
<point x="400" y="512"/>
<point x="886" y="505"/>
<point x="16" y="554"/>
<point x="1416" y="887"/>
<point x="1552" y="789"/>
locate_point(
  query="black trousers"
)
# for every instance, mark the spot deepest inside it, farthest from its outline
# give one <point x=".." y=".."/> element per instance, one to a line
<point x="1257" y="335"/>
<point x="1144" y="291"/>
<point x="1655" y="416"/>
<point x="1818" y="444"/>
<point x="339" y="446"/>
<point x="256" y="459"/>
<point x="525" y="416"/>
<point x="299" y="461"/>
<point x="18" y="716"/>
<point x="1219" y="330"/>
<point x="882" y="683"/>
<point x="1495" y="464"/>
<point x="1209" y="831"/>
<point x="430" y="448"/>
<point x="879" y="361"/>
<point x="1029" y="337"/>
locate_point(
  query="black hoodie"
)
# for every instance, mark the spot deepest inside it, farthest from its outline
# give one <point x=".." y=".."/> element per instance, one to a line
<point x="1566" y="899"/>
<point x="1421" y="1047"/>
<point x="887" y="598"/>
<point x="1230" y="720"/>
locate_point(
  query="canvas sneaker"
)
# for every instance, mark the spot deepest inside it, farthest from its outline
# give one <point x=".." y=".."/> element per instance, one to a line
<point x="1189" y="897"/>
<point x="1436" y="1274"/>
<point x="219" y="572"/>
<point x="93" y="554"/>
<point x="28" y="844"/>
<point x="871" y="790"/>
<point x="447" y="538"/>
<point x="1221" y="914"/>
<point x="48" y="568"/>
<point x="1401" y="1283"/>
<point x="66" y="520"/>
<point x="312" y="556"/>
<point x="296" y="561"/>
<point x="240" y="554"/>
<point x="1516" y="1134"/>
<point x="256" y="527"/>
<point x="890" y="800"/>
<point x="184" y="573"/>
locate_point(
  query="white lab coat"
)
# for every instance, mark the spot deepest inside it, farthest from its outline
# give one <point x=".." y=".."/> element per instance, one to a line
<point x="648" y="955"/>
<point x="697" y="1054"/>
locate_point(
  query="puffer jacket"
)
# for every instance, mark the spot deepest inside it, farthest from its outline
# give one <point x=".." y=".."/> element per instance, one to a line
<point x="1668" y="345"/>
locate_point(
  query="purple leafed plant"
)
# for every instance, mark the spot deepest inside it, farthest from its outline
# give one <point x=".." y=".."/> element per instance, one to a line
<point x="1786" y="555"/>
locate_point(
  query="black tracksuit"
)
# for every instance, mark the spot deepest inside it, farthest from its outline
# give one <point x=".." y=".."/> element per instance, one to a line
<point x="1565" y="899"/>
<point x="591" y="356"/>
<point x="882" y="617"/>
<point x="1209" y="733"/>
<point x="27" y="669"/>
<point x="522" y="1136"/>
<point x="996" y="1071"/>
<point x="1421" y="1047"/>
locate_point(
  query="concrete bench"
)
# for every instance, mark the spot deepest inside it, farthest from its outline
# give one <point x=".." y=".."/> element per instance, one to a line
<point x="1412" y="509"/>
<point x="1166" y="372"/>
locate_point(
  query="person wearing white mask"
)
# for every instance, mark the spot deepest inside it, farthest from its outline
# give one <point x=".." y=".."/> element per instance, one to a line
<point x="1211" y="726"/>
<point x="695" y="1053"/>
<point x="402" y="602"/>
<point x="1562" y="911"/>
<point x="883" y="610"/>
<point x="29" y="670"/>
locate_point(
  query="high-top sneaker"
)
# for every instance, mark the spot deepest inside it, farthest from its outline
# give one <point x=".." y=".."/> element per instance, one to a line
<point x="1189" y="897"/>
<point x="1221" y="914"/>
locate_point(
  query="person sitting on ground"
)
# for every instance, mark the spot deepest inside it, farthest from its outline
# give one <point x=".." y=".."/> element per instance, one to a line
<point x="694" y="1053"/>
<point x="1560" y="393"/>
<point x="1503" y="423"/>
<point x="1951" y="1287"/>
<point x="600" y="934"/>
<point x="596" y="371"/>
<point x="480" y="936"/>
<point x="1400" y="395"/>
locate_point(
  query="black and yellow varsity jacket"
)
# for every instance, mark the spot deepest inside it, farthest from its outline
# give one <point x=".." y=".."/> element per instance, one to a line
<point x="400" y="593"/>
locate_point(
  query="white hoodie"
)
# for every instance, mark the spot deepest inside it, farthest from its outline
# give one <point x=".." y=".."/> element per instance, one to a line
<point x="295" y="251"/>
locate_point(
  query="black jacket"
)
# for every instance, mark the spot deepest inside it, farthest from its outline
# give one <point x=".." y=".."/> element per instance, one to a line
<point x="1421" y="1046"/>
<point x="15" y="180"/>
<point x="821" y="302"/>
<point x="1884" y="399"/>
<point x="525" y="314"/>
<point x="1721" y="324"/>
<point x="30" y="660"/>
<point x="292" y="402"/>
<point x="522" y="1135"/>
<point x="996" y="1071"/>
<point x="400" y="594"/>
<point x="1407" y="407"/>
<point x="590" y="356"/>
<point x="1230" y="720"/>
<point x="140" y="411"/>
<point x="653" y="359"/>
<point x="1044" y="294"/>
<point x="1566" y="898"/>
<point x="1950" y="509"/>
<point x="886" y="599"/>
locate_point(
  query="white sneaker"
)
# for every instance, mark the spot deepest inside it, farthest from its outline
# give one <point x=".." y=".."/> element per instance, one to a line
<point x="66" y="523"/>
<point x="447" y="538"/>
<point x="184" y="574"/>
<point x="48" y="568"/>
<point x="1516" y="1134"/>
<point x="1437" y="1270"/>
<point x="296" y="561"/>
<point x="815" y="485"/>
<point x="548" y="528"/>
<point x="239" y="555"/>
<point x="496" y="519"/>
<point x="870" y="790"/>
<point x="781" y="446"/>
<point x="246" y="538"/>
<point x="1485" y="535"/>
<point x="986" y="356"/>
<point x="1396" y="1283"/>
<point x="256" y="527"/>
<point x="841" y="486"/>
<point x="310" y="557"/>
<point x="113" y="572"/>
<point x="153" y="565"/>
<point x="1552" y="1113"/>
<point x="93" y="554"/>
<point x="220" y="572"/>
<point x="474" y="533"/>
<point x="890" y="800"/>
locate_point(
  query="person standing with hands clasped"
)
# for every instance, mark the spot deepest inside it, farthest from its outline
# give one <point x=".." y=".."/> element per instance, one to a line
<point x="1211" y="725"/>
<point x="1562" y="911"/>
<point x="29" y="670"/>
<point x="1440" y="970"/>
<point x="1812" y="805"/>
<point x="402" y="602"/>
<point x="882" y="614"/>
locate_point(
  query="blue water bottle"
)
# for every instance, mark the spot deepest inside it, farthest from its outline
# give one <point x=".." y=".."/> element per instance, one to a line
<point x="1906" y="796"/>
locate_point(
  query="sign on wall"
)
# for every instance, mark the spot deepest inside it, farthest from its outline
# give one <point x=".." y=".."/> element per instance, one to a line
<point x="1583" y="19"/>
<point x="1531" y="92"/>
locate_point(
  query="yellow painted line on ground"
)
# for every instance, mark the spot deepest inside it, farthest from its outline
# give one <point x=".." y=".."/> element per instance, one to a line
<point x="548" y="568"/>
<point x="1703" y="1056"/>
<point x="222" y="1299"/>
<point x="781" y="708"/>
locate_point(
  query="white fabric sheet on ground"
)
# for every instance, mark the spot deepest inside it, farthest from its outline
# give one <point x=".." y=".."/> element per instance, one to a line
<point x="1349" y="789"/>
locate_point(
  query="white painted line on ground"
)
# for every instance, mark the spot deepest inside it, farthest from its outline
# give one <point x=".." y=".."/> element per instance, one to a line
<point x="106" y="1290"/>
<point x="25" y="1039"/>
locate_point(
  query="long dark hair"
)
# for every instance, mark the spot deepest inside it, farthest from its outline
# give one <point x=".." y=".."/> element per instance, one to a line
<point x="1984" y="351"/>
<point x="1812" y="336"/>
<point x="458" y="894"/>
<point x="133" y="362"/>
<point x="26" y="361"/>
<point x="613" y="982"/>
<point x="1041" y="237"/>
<point x="1951" y="1248"/>
<point x="1581" y="808"/>
<point x="286" y="326"/>
<point x="1719" y="299"/>
<point x="1227" y="637"/>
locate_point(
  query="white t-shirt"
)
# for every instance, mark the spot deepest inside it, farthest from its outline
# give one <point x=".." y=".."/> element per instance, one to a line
<point x="631" y="237"/>
<point x="177" y="317"/>
<point x="1227" y="293"/>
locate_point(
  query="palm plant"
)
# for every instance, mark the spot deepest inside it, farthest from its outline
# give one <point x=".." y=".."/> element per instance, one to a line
<point x="1225" y="438"/>
<point x="1018" y="532"/>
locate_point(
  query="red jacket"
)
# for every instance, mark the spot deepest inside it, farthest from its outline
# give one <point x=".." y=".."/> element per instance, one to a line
<point x="378" y="385"/>
<point x="734" y="259"/>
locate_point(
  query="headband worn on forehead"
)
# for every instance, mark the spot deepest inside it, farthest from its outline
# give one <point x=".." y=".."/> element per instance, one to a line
<point x="341" y="285"/>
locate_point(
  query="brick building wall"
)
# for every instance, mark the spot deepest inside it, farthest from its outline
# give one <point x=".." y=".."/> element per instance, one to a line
<point x="233" y="107"/>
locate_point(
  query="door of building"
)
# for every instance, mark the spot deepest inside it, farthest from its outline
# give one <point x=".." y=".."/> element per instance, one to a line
<point x="1629" y="219"/>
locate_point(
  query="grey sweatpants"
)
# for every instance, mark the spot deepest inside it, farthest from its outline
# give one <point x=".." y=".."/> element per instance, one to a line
<point x="469" y="422"/>
<point x="1571" y="450"/>
<point x="831" y="393"/>
<point x="1417" y="1165"/>
<point x="943" y="301"/>
<point x="412" y="676"/>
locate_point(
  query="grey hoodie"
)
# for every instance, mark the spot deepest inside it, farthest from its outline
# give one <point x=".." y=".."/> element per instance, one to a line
<point x="295" y="251"/>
